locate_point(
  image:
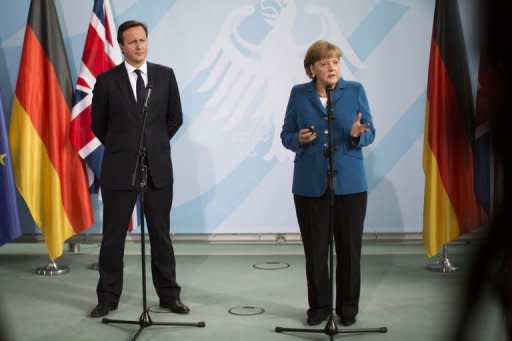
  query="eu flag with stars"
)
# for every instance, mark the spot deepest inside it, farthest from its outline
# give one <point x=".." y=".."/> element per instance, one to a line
<point x="9" y="219"/>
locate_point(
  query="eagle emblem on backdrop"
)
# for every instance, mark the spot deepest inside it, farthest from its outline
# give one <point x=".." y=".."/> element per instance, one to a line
<point x="253" y="63"/>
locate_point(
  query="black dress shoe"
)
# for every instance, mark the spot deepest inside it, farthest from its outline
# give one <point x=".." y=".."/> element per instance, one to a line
<point x="314" y="320"/>
<point x="347" y="321"/>
<point x="176" y="306"/>
<point x="316" y="317"/>
<point x="102" y="309"/>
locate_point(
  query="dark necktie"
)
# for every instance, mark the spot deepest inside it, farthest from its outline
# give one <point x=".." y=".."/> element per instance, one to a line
<point x="140" y="89"/>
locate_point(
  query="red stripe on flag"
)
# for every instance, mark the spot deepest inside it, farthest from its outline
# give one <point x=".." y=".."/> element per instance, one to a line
<point x="94" y="56"/>
<point x="79" y="134"/>
<point x="80" y="81"/>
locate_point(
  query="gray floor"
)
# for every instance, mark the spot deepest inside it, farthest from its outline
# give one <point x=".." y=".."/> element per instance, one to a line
<point x="397" y="292"/>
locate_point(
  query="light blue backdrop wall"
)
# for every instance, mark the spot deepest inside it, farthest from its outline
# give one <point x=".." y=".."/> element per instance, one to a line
<point x="236" y="62"/>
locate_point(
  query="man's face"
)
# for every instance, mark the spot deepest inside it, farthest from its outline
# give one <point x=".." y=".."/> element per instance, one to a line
<point x="135" y="46"/>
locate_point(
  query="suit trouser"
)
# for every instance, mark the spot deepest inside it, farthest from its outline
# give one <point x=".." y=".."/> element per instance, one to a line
<point x="313" y="219"/>
<point x="117" y="209"/>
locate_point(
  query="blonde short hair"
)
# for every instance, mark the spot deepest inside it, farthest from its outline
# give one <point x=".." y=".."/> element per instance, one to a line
<point x="320" y="49"/>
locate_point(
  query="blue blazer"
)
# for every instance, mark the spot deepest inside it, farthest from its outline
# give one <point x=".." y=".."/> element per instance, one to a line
<point x="310" y="166"/>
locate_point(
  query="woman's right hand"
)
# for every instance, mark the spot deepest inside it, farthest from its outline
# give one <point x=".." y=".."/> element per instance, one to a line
<point x="307" y="135"/>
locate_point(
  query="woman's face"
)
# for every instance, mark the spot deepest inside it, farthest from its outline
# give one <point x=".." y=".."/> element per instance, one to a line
<point x="327" y="71"/>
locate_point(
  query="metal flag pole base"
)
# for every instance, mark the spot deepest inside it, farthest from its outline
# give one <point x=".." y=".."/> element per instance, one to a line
<point x="444" y="265"/>
<point x="52" y="269"/>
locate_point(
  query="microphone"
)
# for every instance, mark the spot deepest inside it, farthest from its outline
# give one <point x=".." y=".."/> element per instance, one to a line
<point x="149" y="88"/>
<point x="328" y="90"/>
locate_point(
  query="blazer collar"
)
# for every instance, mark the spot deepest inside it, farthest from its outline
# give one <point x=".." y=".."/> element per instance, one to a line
<point x="126" y="89"/>
<point x="339" y="90"/>
<point x="336" y="96"/>
<point x="130" y="69"/>
<point x="314" y="98"/>
<point x="151" y="73"/>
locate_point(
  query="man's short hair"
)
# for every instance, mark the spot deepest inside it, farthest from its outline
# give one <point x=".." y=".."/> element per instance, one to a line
<point x="127" y="25"/>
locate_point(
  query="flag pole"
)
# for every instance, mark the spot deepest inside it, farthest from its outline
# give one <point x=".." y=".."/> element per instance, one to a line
<point x="445" y="264"/>
<point x="74" y="247"/>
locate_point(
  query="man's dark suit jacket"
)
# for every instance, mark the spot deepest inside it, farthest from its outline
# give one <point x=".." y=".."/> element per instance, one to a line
<point x="117" y="124"/>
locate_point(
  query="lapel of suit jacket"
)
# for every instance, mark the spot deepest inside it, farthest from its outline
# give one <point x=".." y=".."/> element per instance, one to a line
<point x="314" y="98"/>
<point x="151" y="73"/>
<point x="338" y="91"/>
<point x="152" y="76"/>
<point x="126" y="90"/>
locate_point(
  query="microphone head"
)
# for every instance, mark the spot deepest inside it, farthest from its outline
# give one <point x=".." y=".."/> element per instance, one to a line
<point x="148" y="95"/>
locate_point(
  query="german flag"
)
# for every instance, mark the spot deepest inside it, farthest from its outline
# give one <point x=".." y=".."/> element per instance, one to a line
<point x="450" y="205"/>
<point x="48" y="172"/>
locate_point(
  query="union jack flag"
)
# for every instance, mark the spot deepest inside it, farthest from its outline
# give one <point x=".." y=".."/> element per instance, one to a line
<point x="101" y="52"/>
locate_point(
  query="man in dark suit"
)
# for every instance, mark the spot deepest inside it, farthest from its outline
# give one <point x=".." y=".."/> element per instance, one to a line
<point x="117" y="120"/>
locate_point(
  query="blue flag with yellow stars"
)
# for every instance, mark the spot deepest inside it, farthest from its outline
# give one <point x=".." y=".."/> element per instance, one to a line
<point x="9" y="219"/>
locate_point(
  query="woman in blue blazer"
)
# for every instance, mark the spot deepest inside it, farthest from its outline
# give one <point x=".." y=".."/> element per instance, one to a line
<point x="305" y="131"/>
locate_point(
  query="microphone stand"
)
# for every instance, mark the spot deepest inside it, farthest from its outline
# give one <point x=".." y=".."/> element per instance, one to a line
<point x="331" y="328"/>
<point x="141" y="173"/>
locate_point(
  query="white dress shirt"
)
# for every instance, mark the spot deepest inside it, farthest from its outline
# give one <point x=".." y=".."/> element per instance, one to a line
<point x="132" y="76"/>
